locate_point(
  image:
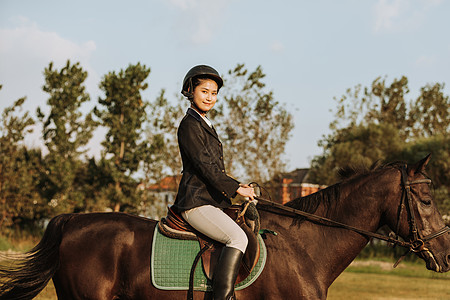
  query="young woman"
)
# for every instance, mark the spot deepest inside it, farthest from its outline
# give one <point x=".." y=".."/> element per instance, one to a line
<point x="205" y="188"/>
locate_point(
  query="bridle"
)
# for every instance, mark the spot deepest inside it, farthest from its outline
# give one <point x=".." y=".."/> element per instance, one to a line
<point x="417" y="244"/>
<point x="418" y="241"/>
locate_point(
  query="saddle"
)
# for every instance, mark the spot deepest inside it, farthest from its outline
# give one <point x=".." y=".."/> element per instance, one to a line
<point x="174" y="226"/>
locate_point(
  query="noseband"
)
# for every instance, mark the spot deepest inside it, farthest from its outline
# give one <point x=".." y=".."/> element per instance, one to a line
<point x="417" y="244"/>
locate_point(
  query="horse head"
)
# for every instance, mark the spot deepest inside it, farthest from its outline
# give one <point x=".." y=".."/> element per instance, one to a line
<point x="418" y="220"/>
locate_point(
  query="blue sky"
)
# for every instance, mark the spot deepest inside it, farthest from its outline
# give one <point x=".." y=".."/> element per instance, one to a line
<point x="311" y="51"/>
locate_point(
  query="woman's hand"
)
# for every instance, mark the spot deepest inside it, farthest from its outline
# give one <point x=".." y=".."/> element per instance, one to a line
<point x="246" y="191"/>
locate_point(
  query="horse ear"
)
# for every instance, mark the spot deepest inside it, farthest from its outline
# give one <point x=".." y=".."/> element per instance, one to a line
<point x="420" y="166"/>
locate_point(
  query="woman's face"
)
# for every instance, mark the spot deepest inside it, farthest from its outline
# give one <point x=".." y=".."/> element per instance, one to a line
<point x="205" y="95"/>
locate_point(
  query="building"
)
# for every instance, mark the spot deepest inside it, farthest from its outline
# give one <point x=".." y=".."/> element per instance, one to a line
<point x="160" y="195"/>
<point x="282" y="189"/>
<point x="295" y="184"/>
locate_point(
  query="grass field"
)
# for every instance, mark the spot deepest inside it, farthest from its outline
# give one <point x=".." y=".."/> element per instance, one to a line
<point x="378" y="280"/>
<point x="372" y="280"/>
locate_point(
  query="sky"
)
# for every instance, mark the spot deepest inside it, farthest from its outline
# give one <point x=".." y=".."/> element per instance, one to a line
<point x="311" y="51"/>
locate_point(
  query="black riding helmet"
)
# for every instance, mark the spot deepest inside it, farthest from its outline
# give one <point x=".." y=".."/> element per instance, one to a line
<point x="203" y="71"/>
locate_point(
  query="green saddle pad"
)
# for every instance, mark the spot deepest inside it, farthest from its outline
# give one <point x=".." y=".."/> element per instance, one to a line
<point x="172" y="259"/>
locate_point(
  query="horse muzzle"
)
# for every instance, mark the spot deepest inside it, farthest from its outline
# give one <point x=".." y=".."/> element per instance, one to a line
<point x="439" y="262"/>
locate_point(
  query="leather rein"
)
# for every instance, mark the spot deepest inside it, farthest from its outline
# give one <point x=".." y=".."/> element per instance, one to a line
<point x="416" y="245"/>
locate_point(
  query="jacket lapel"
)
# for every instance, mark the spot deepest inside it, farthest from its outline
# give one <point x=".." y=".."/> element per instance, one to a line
<point x="210" y="130"/>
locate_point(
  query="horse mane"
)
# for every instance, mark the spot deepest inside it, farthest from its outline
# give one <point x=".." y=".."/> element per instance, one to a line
<point x="352" y="171"/>
<point x="330" y="196"/>
<point x="310" y="203"/>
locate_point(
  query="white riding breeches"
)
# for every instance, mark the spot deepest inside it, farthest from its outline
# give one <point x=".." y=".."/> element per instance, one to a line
<point x="214" y="223"/>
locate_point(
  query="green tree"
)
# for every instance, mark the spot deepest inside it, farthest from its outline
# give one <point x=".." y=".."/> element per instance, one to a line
<point x="20" y="201"/>
<point x="356" y="145"/>
<point x="377" y="124"/>
<point x="66" y="131"/>
<point x="163" y="158"/>
<point x="94" y="180"/>
<point x="430" y="114"/>
<point x="252" y="124"/>
<point x="379" y="104"/>
<point x="124" y="116"/>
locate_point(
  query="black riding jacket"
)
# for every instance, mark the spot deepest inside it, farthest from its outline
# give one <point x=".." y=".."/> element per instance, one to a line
<point x="204" y="179"/>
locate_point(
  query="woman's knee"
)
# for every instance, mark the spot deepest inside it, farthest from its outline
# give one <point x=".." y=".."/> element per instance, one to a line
<point x="239" y="241"/>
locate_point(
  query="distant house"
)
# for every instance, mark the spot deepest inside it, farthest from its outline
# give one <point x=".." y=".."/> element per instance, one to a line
<point x="295" y="184"/>
<point x="166" y="189"/>
<point x="161" y="195"/>
<point x="283" y="188"/>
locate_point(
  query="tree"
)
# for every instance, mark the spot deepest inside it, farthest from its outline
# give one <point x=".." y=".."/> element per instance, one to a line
<point x="377" y="124"/>
<point x="20" y="201"/>
<point x="379" y="104"/>
<point x="163" y="158"/>
<point x="94" y="180"/>
<point x="65" y="131"/>
<point x="123" y="116"/>
<point x="430" y="114"/>
<point x="254" y="127"/>
<point x="358" y="145"/>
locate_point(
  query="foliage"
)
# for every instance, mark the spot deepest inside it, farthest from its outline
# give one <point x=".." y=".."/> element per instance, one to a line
<point x="378" y="104"/>
<point x="430" y="114"/>
<point x="65" y="132"/>
<point x="94" y="180"/>
<point x="253" y="125"/>
<point x="161" y="134"/>
<point x="20" y="201"/>
<point x="124" y="115"/>
<point x="379" y="123"/>
<point x="357" y="145"/>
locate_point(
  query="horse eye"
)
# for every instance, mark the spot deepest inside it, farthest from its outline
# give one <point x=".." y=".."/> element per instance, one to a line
<point x="426" y="201"/>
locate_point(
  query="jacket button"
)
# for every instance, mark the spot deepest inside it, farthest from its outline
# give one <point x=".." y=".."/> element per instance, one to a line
<point x="221" y="157"/>
<point x="223" y="171"/>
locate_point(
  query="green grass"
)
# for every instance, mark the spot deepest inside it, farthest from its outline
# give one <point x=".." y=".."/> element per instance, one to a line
<point x="5" y="244"/>
<point x="379" y="280"/>
<point x="405" y="269"/>
<point x="352" y="286"/>
<point x="21" y="244"/>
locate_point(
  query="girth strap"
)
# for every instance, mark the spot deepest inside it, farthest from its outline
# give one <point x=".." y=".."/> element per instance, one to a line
<point x="190" y="294"/>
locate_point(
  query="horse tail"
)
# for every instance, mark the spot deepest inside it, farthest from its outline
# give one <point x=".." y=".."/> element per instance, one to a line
<point x="28" y="274"/>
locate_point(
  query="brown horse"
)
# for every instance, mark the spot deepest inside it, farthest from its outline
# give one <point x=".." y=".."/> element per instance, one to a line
<point x="107" y="256"/>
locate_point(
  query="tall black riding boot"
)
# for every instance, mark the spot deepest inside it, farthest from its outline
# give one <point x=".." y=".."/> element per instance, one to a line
<point x="226" y="272"/>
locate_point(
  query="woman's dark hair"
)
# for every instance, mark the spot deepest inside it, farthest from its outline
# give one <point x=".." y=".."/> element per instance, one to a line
<point x="198" y="79"/>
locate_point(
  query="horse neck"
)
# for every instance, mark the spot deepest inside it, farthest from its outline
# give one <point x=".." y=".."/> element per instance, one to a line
<point x="330" y="250"/>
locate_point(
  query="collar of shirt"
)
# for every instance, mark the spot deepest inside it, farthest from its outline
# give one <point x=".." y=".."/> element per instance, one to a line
<point x="204" y="118"/>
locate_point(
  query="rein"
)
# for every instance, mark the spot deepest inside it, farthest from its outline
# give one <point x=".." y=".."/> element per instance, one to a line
<point x="329" y="222"/>
<point x="416" y="245"/>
